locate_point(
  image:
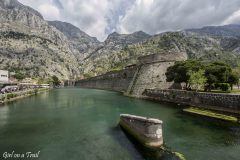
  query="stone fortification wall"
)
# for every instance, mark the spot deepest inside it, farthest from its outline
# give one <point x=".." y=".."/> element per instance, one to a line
<point x="149" y="76"/>
<point x="114" y="81"/>
<point x="133" y="80"/>
<point x="216" y="101"/>
<point x="151" y="72"/>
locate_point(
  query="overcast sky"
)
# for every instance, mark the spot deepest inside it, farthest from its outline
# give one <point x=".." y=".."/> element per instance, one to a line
<point x="98" y="18"/>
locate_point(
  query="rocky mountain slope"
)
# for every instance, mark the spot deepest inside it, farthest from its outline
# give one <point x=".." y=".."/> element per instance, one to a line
<point x="107" y="57"/>
<point x="77" y="38"/>
<point x="200" y="47"/>
<point x="123" y="39"/>
<point x="29" y="45"/>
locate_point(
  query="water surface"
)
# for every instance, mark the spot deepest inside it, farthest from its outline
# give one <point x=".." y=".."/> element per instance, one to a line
<point x="73" y="124"/>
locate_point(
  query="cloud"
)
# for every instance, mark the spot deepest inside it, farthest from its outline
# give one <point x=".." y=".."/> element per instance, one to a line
<point x="88" y="15"/>
<point x="50" y="11"/>
<point x="99" y="18"/>
<point x="58" y="4"/>
<point x="154" y="16"/>
<point x="234" y="18"/>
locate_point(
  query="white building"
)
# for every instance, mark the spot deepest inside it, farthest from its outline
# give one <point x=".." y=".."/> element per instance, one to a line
<point x="4" y="76"/>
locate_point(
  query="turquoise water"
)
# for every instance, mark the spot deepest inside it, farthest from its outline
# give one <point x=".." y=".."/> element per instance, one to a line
<point x="82" y="124"/>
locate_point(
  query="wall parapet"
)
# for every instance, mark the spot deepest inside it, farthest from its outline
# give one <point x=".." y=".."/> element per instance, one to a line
<point x="164" y="57"/>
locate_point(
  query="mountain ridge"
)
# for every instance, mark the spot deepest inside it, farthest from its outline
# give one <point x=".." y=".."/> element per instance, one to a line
<point x="230" y="30"/>
<point x="80" y="41"/>
<point x="41" y="48"/>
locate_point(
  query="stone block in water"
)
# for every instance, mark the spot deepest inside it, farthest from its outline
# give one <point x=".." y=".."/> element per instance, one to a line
<point x="147" y="131"/>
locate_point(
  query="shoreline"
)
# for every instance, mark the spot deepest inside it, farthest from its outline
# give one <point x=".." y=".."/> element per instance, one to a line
<point x="11" y="97"/>
<point x="183" y="105"/>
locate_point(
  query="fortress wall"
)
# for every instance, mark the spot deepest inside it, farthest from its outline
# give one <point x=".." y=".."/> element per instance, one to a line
<point x="114" y="81"/>
<point x="133" y="80"/>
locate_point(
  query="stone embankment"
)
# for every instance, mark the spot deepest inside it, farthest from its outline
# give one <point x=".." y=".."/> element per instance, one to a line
<point x="9" y="97"/>
<point x="216" y="101"/>
<point x="147" y="131"/>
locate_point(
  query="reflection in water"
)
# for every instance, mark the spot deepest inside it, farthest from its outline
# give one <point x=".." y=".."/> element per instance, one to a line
<point x="83" y="124"/>
<point x="3" y="115"/>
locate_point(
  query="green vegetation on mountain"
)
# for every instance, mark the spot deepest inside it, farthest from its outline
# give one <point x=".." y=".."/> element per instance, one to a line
<point x="203" y="48"/>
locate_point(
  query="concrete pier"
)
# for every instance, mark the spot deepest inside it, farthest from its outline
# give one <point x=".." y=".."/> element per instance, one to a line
<point x="147" y="131"/>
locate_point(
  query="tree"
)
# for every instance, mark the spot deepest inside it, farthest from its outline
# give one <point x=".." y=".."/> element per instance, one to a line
<point x="56" y="81"/>
<point x="217" y="72"/>
<point x="233" y="79"/>
<point x="197" y="79"/>
<point x="40" y="80"/>
<point x="48" y="80"/>
<point x="19" y="76"/>
<point x="237" y="72"/>
<point x="179" y="71"/>
<point x="195" y="75"/>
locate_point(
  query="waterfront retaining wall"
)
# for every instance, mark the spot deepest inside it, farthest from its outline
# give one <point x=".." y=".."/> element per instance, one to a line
<point x="216" y="101"/>
<point x="9" y="97"/>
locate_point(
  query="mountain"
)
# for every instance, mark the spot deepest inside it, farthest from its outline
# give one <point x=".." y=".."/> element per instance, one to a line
<point x="231" y="30"/>
<point x="78" y="39"/>
<point x="199" y="47"/>
<point x="106" y="57"/>
<point x="30" y="45"/>
<point x="124" y="39"/>
<point x="38" y="48"/>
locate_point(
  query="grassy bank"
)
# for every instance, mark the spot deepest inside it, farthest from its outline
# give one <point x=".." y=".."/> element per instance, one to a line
<point x="211" y="114"/>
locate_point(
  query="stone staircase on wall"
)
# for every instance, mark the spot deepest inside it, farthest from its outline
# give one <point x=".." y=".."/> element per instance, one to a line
<point x="132" y="84"/>
<point x="151" y="73"/>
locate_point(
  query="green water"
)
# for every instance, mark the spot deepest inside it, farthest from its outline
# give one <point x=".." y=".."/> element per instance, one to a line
<point x="81" y="124"/>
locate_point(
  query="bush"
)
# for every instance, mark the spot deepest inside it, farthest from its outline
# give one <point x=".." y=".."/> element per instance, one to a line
<point x="35" y="91"/>
<point x="2" y="98"/>
<point x="19" y="76"/>
<point x="10" y="95"/>
<point x="56" y="81"/>
<point x="223" y="86"/>
<point x="14" y="95"/>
